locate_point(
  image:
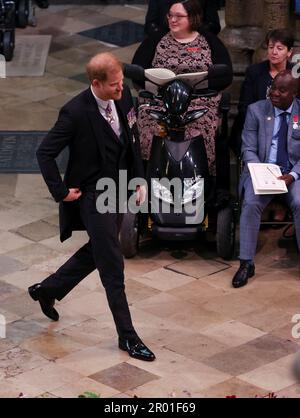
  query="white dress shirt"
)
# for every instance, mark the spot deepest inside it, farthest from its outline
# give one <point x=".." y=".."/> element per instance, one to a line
<point x="102" y="105"/>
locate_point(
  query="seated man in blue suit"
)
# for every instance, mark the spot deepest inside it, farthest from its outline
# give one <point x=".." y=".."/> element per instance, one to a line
<point x="271" y="135"/>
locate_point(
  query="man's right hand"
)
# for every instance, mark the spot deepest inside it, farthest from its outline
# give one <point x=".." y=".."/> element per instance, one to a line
<point x="74" y="194"/>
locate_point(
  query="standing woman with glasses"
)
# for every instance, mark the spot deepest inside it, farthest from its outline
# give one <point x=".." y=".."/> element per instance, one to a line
<point x="183" y="49"/>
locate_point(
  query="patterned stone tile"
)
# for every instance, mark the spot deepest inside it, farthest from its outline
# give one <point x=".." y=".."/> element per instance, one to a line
<point x="138" y="266"/>
<point x="196" y="347"/>
<point x="33" y="254"/>
<point x="8" y="184"/>
<point x="274" y="376"/>
<point x="232" y="333"/>
<point x="21" y="305"/>
<point x="197" y="292"/>
<point x="94" y="359"/>
<point x="10" y="241"/>
<point x="19" y="331"/>
<point x="9" y="316"/>
<point x="93" y="304"/>
<point x="232" y="305"/>
<point x="53" y="220"/>
<point x="14" y="390"/>
<point x="292" y="391"/>
<point x="234" y="361"/>
<point x="17" y="361"/>
<point x="165" y="280"/>
<point x="22" y="279"/>
<point x="266" y="319"/>
<point x="123" y="377"/>
<point x="233" y="387"/>
<point x="88" y="332"/>
<point x="8" y="290"/>
<point x="288" y="332"/>
<point x="188" y="385"/>
<point x="10" y="265"/>
<point x="270" y="348"/>
<point x="199" y="268"/>
<point x="255" y="353"/>
<point x="137" y="291"/>
<point x="45" y="378"/>
<point x="161" y="305"/>
<point x="74" y="389"/>
<point x="195" y="317"/>
<point x="52" y="346"/>
<point x="122" y="33"/>
<point x="37" y="231"/>
<point x="6" y="345"/>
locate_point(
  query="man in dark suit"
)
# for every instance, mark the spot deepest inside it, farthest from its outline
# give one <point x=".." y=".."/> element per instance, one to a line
<point x="99" y="127"/>
<point x="158" y="9"/>
<point x="271" y="135"/>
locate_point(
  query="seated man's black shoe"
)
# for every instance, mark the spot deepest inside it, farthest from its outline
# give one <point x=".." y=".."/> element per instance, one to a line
<point x="136" y="349"/>
<point x="244" y="273"/>
<point x="36" y="292"/>
<point x="42" y="4"/>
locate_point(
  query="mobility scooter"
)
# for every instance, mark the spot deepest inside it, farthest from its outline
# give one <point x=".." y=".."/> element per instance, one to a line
<point x="183" y="209"/>
<point x="7" y="28"/>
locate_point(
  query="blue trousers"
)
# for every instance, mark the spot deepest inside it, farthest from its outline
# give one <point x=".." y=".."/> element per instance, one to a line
<point x="252" y="208"/>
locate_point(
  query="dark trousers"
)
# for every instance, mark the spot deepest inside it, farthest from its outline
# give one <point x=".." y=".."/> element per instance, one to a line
<point x="103" y="252"/>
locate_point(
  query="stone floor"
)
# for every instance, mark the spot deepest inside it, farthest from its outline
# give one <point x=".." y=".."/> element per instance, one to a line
<point x="210" y="340"/>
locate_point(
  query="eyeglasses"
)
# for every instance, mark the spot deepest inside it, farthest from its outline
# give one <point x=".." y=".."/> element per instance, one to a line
<point x="175" y="16"/>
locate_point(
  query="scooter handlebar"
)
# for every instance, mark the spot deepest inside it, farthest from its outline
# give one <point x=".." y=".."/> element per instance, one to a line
<point x="134" y="72"/>
<point x="218" y="77"/>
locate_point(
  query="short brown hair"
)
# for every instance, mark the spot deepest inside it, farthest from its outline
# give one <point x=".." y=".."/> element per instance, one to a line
<point x="101" y="65"/>
<point x="280" y="35"/>
<point x="194" y="12"/>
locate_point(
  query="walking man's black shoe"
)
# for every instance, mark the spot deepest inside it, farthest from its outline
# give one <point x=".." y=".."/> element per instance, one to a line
<point x="244" y="273"/>
<point x="136" y="349"/>
<point x="47" y="304"/>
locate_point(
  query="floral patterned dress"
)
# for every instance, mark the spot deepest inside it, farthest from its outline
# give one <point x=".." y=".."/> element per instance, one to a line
<point x="183" y="58"/>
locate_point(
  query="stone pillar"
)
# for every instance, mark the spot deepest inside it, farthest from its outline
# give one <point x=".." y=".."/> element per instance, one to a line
<point x="242" y="34"/>
<point x="276" y="14"/>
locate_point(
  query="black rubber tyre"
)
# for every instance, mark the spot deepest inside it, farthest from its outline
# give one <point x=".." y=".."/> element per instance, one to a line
<point x="8" y="45"/>
<point x="225" y="233"/>
<point x="129" y="235"/>
<point x="22" y="13"/>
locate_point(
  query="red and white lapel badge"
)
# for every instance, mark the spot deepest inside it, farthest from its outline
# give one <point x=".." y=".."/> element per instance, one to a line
<point x="295" y="122"/>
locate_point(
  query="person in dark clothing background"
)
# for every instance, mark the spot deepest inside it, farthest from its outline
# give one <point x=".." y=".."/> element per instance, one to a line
<point x="157" y="11"/>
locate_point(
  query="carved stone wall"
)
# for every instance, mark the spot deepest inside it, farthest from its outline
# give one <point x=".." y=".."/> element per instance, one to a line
<point x="276" y="14"/>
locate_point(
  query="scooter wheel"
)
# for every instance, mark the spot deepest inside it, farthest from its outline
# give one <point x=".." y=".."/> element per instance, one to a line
<point x="129" y="235"/>
<point x="8" y="45"/>
<point x="225" y="233"/>
<point x="22" y="13"/>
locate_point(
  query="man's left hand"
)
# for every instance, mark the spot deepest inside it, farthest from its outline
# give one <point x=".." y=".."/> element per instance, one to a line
<point x="288" y="178"/>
